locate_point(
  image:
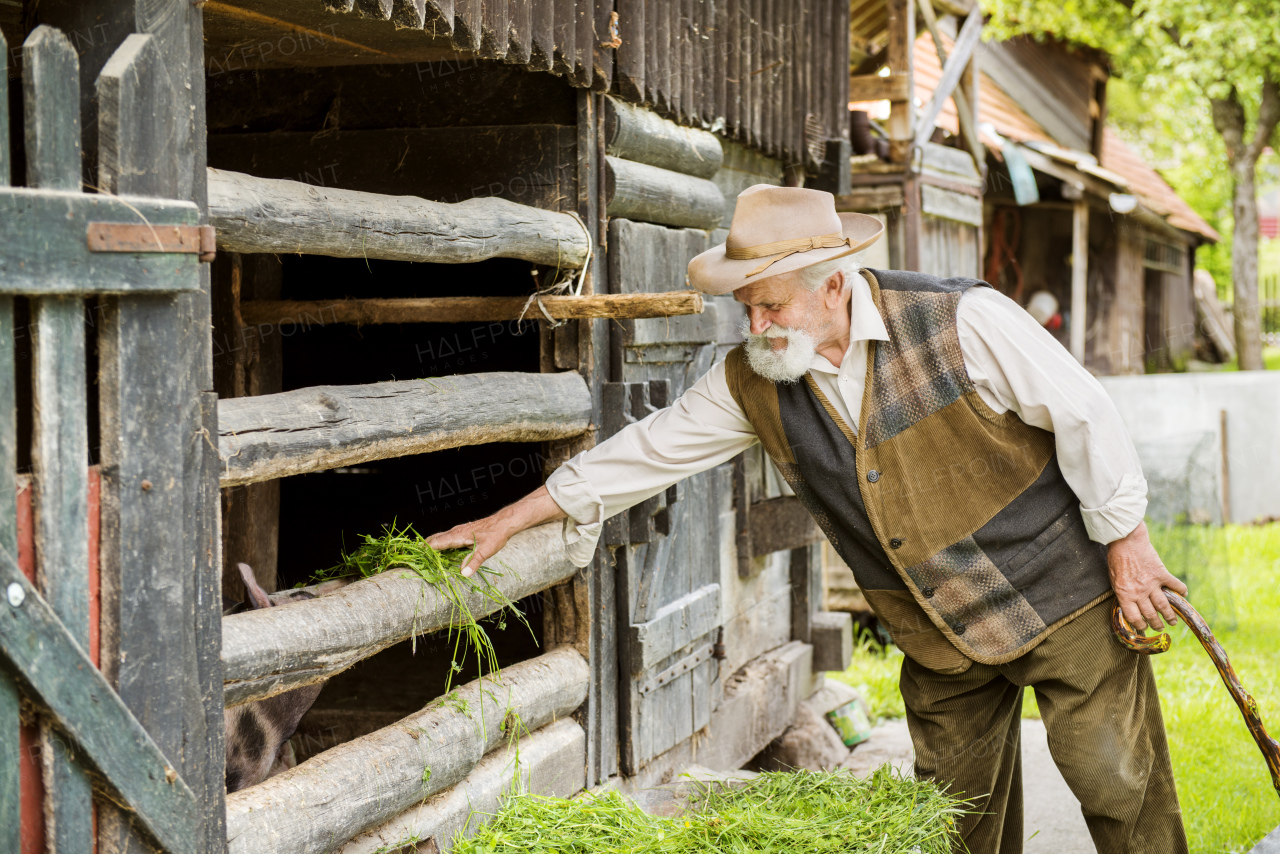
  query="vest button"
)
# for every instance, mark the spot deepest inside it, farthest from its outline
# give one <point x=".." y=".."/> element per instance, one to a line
<point x="895" y="543"/>
<point x="958" y="628"/>
<point x="873" y="475"/>
<point x="927" y="592"/>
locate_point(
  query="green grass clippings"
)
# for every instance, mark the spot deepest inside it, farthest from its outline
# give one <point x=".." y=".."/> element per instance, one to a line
<point x="405" y="548"/>
<point x="776" y="812"/>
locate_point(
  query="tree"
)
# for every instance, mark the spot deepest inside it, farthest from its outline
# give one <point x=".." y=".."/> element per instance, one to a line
<point x="1228" y="51"/>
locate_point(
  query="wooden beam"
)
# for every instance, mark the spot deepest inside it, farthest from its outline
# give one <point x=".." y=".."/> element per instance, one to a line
<point x="961" y="51"/>
<point x="883" y="197"/>
<point x="832" y="640"/>
<point x="360" y="784"/>
<point x="60" y="679"/>
<point x="965" y="105"/>
<point x="471" y="309"/>
<point x="275" y="215"/>
<point x="548" y="762"/>
<point x="269" y="651"/>
<point x="324" y="427"/>
<point x="781" y="524"/>
<point x="10" y="699"/>
<point x="902" y="37"/>
<point x="60" y="441"/>
<point x="634" y="133"/>
<point x="1079" y="277"/>
<point x="637" y="191"/>
<point x="873" y="87"/>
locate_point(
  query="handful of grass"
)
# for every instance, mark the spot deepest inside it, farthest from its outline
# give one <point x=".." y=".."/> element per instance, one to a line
<point x="405" y="548"/>
<point x="795" y="811"/>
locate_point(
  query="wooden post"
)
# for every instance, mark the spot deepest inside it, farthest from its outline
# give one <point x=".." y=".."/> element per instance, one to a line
<point x="10" y="817"/>
<point x="60" y="445"/>
<point x="1079" y="276"/>
<point x="902" y="37"/>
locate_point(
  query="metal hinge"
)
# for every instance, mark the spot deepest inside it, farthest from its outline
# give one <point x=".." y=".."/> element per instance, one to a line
<point x="678" y="669"/>
<point x="139" y="237"/>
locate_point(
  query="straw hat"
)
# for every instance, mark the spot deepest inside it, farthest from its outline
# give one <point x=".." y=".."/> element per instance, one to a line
<point x="778" y="230"/>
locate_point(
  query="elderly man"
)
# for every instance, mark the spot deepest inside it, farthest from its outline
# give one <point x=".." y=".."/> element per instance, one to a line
<point x="976" y="479"/>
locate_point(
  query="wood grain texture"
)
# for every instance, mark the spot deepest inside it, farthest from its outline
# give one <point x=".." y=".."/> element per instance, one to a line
<point x="548" y="761"/>
<point x="275" y="215"/>
<point x="637" y="191"/>
<point x="358" y="785"/>
<point x="60" y="442"/>
<point x="470" y="309"/>
<point x="674" y="627"/>
<point x="268" y="652"/>
<point x="324" y="427"/>
<point x="633" y="133"/>
<point x="44" y="235"/>
<point x="10" y="820"/>
<point x="62" y="682"/>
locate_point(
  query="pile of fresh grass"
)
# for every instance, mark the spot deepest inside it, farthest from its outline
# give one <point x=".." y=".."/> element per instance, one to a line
<point x="406" y="549"/>
<point x="789" y="812"/>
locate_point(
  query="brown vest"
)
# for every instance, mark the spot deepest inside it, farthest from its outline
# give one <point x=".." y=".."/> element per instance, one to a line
<point x="956" y="520"/>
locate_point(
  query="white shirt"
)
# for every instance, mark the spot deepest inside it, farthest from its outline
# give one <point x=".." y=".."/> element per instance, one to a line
<point x="1014" y="364"/>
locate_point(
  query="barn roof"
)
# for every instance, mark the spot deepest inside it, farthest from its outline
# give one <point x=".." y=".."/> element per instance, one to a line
<point x="1129" y="172"/>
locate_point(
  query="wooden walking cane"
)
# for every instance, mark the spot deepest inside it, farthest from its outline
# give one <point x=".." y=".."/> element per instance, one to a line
<point x="1156" y="644"/>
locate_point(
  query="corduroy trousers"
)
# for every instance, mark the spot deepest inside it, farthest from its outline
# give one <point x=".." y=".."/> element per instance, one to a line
<point x="1099" y="705"/>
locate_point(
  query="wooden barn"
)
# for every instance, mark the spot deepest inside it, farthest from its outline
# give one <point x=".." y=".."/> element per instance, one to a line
<point x="277" y="274"/>
<point x="1007" y="171"/>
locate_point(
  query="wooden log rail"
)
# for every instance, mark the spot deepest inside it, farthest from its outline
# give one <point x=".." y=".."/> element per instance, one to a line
<point x="647" y="193"/>
<point x="550" y="762"/>
<point x="634" y="133"/>
<point x="470" y="309"/>
<point x="323" y="427"/>
<point x="274" y="215"/>
<point x="269" y="651"/>
<point x="358" y="785"/>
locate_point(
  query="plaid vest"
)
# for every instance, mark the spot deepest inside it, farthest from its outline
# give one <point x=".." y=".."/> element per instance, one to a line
<point x="956" y="520"/>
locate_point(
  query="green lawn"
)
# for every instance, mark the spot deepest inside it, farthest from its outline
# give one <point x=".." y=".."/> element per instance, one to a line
<point x="1234" y="578"/>
<point x="1270" y="358"/>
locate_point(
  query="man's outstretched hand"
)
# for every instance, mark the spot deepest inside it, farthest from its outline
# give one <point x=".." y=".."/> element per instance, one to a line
<point x="488" y="535"/>
<point x="1137" y="576"/>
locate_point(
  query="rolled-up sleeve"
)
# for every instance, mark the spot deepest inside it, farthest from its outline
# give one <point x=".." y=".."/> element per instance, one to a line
<point x="702" y="429"/>
<point x="1017" y="365"/>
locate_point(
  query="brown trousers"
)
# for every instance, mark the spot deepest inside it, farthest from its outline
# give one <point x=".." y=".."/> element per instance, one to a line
<point x="1106" y="734"/>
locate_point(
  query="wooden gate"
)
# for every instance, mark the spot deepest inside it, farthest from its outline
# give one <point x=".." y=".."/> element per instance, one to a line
<point x="137" y="254"/>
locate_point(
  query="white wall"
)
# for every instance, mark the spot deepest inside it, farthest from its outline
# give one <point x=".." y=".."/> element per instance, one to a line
<point x="1174" y="421"/>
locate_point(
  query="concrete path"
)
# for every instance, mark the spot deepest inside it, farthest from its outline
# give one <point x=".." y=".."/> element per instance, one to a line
<point x="1051" y="814"/>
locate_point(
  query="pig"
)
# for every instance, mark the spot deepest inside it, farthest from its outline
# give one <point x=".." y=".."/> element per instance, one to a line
<point x="258" y="733"/>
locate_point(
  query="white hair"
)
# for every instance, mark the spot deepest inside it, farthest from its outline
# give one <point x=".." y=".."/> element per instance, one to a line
<point x="815" y="276"/>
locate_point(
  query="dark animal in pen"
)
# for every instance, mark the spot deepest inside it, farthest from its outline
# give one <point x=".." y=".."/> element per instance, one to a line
<point x="258" y="733"/>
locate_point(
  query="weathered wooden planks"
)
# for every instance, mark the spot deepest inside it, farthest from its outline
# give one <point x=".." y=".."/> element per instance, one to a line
<point x="637" y="191"/>
<point x="832" y="640"/>
<point x="673" y="627"/>
<point x="633" y="133"/>
<point x="63" y="683"/>
<point x="323" y="427"/>
<point x="10" y="821"/>
<point x="145" y="430"/>
<point x="471" y="309"/>
<point x="60" y="442"/>
<point x="358" y="785"/>
<point x="270" y="651"/>
<point x="273" y="215"/>
<point x="548" y="761"/>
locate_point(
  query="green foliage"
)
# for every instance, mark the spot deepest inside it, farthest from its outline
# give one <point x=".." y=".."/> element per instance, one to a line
<point x="776" y="812"/>
<point x="874" y="672"/>
<point x="1228" y="803"/>
<point x="405" y="548"/>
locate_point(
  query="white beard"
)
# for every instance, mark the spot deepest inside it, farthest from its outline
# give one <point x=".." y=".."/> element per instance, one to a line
<point x="785" y="366"/>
